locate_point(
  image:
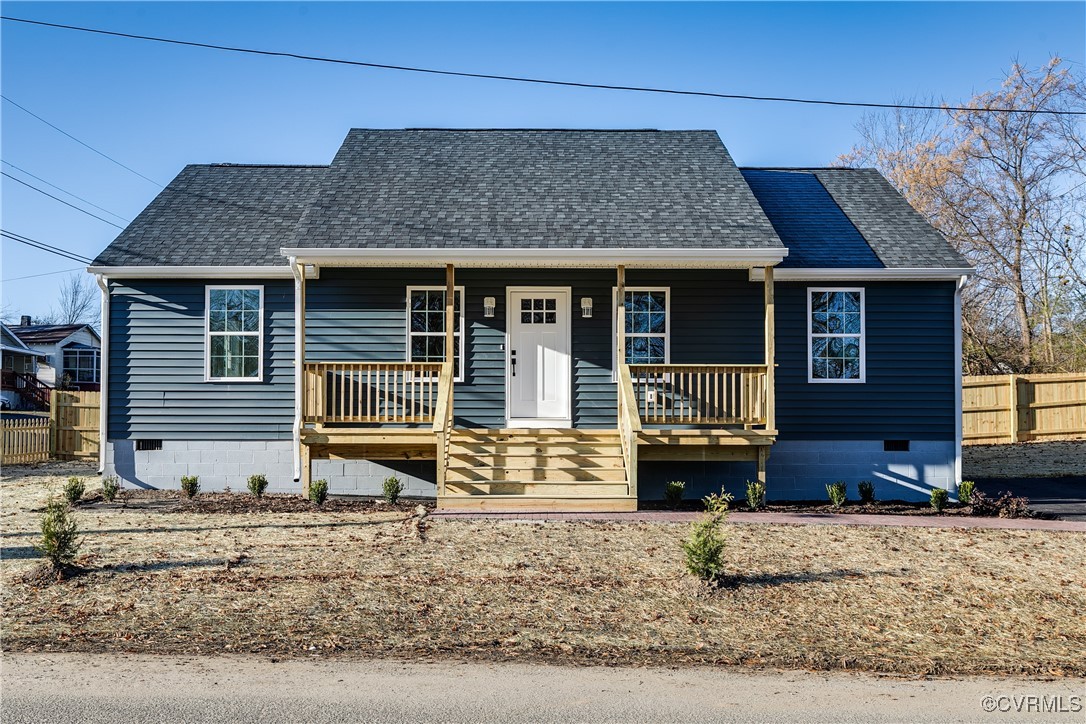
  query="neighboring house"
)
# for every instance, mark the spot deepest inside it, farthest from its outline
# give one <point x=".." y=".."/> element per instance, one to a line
<point x="798" y="325"/>
<point x="71" y="350"/>
<point x="19" y="389"/>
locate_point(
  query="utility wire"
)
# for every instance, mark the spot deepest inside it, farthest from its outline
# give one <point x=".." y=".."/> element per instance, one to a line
<point x="63" y="191"/>
<point x="44" y="247"/>
<point x="57" y="198"/>
<point x="81" y="143"/>
<point x="520" y="79"/>
<point x="74" y="256"/>
<point x="46" y="274"/>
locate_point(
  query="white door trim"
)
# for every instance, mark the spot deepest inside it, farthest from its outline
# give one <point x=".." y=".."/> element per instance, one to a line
<point x="510" y="421"/>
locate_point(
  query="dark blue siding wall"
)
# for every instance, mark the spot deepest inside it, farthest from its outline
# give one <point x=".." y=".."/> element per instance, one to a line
<point x="156" y="367"/>
<point x="909" y="392"/>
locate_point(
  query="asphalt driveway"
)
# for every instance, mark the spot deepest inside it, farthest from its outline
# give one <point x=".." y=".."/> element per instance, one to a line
<point x="1065" y="497"/>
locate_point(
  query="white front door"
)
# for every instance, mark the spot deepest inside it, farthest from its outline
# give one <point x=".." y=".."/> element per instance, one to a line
<point x="538" y="359"/>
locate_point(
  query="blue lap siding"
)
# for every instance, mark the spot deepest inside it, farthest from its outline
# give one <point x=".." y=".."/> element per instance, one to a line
<point x="157" y="387"/>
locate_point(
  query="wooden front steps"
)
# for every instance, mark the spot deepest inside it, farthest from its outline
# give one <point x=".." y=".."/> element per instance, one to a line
<point x="548" y="469"/>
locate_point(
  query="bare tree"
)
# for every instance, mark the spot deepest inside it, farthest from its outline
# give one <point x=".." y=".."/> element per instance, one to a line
<point x="78" y="301"/>
<point x="1009" y="191"/>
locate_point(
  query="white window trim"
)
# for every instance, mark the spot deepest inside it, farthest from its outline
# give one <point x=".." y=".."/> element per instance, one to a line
<point x="614" y="325"/>
<point x="92" y="353"/>
<point x="207" y="334"/>
<point x="460" y="332"/>
<point x="863" y="337"/>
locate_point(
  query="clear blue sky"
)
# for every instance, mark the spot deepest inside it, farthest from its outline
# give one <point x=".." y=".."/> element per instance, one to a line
<point x="157" y="107"/>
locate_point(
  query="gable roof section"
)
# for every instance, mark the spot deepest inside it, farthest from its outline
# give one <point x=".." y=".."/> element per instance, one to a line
<point x="534" y="189"/>
<point x="816" y="231"/>
<point x="49" y="333"/>
<point x="11" y="344"/>
<point x="218" y="215"/>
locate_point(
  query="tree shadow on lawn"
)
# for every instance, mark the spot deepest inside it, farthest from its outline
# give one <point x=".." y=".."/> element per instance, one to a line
<point x="200" y="528"/>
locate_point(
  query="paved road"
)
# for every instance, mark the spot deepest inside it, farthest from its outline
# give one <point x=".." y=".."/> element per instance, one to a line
<point x="1066" y="497"/>
<point x="106" y="688"/>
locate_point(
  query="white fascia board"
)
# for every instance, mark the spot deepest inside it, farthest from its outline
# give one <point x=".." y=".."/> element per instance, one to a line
<point x="498" y="257"/>
<point x="22" y="350"/>
<point x="862" y="274"/>
<point x="196" y="272"/>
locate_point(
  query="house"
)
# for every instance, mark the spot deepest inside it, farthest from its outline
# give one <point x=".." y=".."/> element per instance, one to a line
<point x="448" y="306"/>
<point x="70" y="354"/>
<point x="19" y="386"/>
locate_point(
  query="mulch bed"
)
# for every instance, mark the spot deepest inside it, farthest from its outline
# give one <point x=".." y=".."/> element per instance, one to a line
<point x="173" y="501"/>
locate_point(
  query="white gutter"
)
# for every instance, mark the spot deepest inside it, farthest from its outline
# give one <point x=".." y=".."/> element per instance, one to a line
<point x="103" y="377"/>
<point x="862" y="274"/>
<point x="958" y="423"/>
<point x="299" y="351"/>
<point x="194" y="272"/>
<point x="514" y="257"/>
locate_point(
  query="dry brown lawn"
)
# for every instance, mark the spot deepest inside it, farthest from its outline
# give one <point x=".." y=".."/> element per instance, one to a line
<point x="1025" y="460"/>
<point x="905" y="600"/>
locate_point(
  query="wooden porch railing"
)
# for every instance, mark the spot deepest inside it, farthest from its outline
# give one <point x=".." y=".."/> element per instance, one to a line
<point x="443" y="422"/>
<point x="34" y="392"/>
<point x="629" y="425"/>
<point x="376" y="392"/>
<point x="700" y="394"/>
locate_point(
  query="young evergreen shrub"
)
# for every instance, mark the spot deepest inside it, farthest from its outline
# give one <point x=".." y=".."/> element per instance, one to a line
<point x="59" y="542"/>
<point x="755" y="494"/>
<point x="190" y="485"/>
<point x="704" y="548"/>
<point x="867" y="491"/>
<point x="938" y="499"/>
<point x="391" y="489"/>
<point x="965" y="492"/>
<point x="673" y="492"/>
<point x="257" y="485"/>
<point x="838" y="493"/>
<point x="74" y="489"/>
<point x="318" y="491"/>
<point x="111" y="485"/>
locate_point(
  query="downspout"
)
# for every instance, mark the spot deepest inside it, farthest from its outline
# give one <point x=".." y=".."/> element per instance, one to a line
<point x="103" y="376"/>
<point x="958" y="380"/>
<point x="299" y="355"/>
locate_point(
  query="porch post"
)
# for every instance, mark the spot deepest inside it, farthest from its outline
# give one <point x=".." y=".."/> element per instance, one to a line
<point x="620" y="300"/>
<point x="302" y="468"/>
<point x="770" y="353"/>
<point x="450" y="322"/>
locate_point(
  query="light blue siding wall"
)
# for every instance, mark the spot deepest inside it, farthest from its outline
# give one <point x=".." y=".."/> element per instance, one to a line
<point x="156" y="367"/>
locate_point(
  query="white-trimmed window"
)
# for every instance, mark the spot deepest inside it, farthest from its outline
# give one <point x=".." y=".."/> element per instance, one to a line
<point x="234" y="325"/>
<point x="426" y="327"/>
<point x="835" y="335"/>
<point x="81" y="365"/>
<point x="648" y="325"/>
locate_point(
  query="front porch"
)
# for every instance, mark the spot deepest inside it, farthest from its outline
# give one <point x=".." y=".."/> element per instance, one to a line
<point x="396" y="410"/>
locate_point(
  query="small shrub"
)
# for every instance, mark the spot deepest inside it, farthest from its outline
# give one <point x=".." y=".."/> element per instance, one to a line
<point x="837" y="493"/>
<point x="110" y="487"/>
<point x="718" y="503"/>
<point x="965" y="491"/>
<point x="74" y="489"/>
<point x="391" y="489"/>
<point x="755" y="494"/>
<point x="59" y="535"/>
<point x="673" y="492"/>
<point x="318" y="491"/>
<point x="867" y="491"/>
<point x="257" y="485"/>
<point x="938" y="499"/>
<point x="190" y="485"/>
<point x="704" y="548"/>
<point x="1005" y="506"/>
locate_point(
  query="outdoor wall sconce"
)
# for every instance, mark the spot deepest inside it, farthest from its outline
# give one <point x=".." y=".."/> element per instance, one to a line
<point x="488" y="306"/>
<point x="586" y="307"/>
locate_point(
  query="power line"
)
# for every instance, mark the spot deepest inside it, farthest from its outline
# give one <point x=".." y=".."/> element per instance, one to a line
<point x="46" y="274"/>
<point x="521" y="79"/>
<point x="56" y="198"/>
<point x="41" y="245"/>
<point x="63" y="191"/>
<point x="81" y="143"/>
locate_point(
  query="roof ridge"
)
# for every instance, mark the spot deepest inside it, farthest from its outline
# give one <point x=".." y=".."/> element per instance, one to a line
<point x="807" y="168"/>
<point x="543" y="130"/>
<point x="261" y="165"/>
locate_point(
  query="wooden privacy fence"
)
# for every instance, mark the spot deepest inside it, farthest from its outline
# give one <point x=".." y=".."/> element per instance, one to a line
<point x="70" y="432"/>
<point x="1019" y="408"/>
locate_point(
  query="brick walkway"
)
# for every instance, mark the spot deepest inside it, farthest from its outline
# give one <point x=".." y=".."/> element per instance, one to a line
<point x="667" y="516"/>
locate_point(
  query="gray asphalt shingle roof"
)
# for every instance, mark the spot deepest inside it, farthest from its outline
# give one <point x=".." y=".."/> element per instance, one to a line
<point x="423" y="188"/>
